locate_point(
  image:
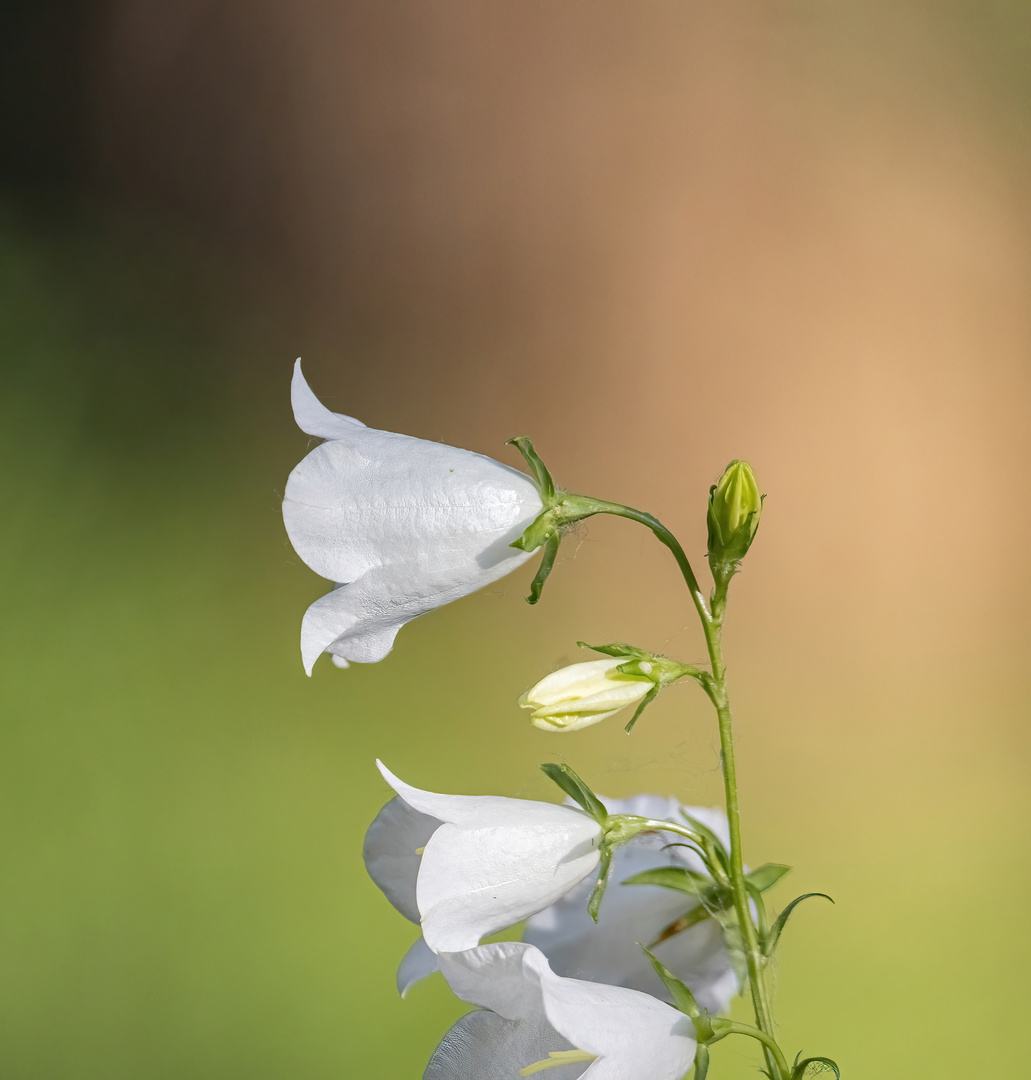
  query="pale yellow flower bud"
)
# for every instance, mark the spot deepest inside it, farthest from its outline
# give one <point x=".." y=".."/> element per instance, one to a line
<point x="577" y="696"/>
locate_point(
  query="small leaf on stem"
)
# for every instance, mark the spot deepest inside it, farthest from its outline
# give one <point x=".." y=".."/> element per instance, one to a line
<point x="766" y="876"/>
<point x="778" y="927"/>
<point x="678" y="878"/>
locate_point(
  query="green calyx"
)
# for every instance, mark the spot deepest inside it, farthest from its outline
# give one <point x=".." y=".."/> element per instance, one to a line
<point x="735" y="506"/>
<point x="561" y="509"/>
<point x="659" y="670"/>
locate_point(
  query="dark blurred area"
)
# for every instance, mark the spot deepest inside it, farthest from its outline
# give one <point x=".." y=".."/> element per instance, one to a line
<point x="43" y="83"/>
<point x="655" y="237"/>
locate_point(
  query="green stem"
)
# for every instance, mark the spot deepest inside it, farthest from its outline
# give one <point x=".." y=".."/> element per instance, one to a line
<point x="663" y="535"/>
<point x="713" y="629"/>
<point x="723" y="1028"/>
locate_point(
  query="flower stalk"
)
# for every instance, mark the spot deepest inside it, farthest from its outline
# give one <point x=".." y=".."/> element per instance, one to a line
<point x="712" y="616"/>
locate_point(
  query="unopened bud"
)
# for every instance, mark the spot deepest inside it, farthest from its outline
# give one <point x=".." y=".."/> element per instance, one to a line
<point x="577" y="696"/>
<point x="735" y="506"/>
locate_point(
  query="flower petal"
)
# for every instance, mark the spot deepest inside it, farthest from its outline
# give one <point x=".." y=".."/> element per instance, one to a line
<point x="573" y="720"/>
<point x="377" y="498"/>
<point x="503" y="977"/>
<point x="334" y="623"/>
<point x="360" y="621"/>
<point x="634" y="1036"/>
<point x="482" y="810"/>
<point x="572" y="681"/>
<point x="485" y="1046"/>
<point x="474" y="882"/>
<point x="393" y="851"/>
<point x="312" y="416"/>
<point x="615" y="695"/>
<point x="419" y="962"/>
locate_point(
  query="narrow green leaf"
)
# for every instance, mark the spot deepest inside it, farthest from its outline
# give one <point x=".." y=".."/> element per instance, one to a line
<point x="773" y="937"/>
<point x="679" y="878"/>
<point x="701" y="1062"/>
<point x="682" y="997"/>
<point x="576" y="789"/>
<point x="540" y="471"/>
<point x="598" y="892"/>
<point x="703" y="850"/>
<point x="704" y="831"/>
<point x="645" y="702"/>
<point x="551" y="546"/>
<point x="827" y="1063"/>
<point x="766" y="876"/>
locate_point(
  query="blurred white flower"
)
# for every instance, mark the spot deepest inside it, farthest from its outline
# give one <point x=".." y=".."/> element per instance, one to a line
<point x="404" y="524"/>
<point x="532" y="1017"/>
<point x="608" y="951"/>
<point x="490" y="863"/>
<point x="579" y="695"/>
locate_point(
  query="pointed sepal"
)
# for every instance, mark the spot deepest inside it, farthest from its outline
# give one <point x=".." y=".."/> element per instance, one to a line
<point x="648" y="698"/>
<point x="576" y="789"/>
<point x="551" y="547"/>
<point x="540" y="471"/>
<point x="682" y="997"/>
<point x="604" y="874"/>
<point x="616" y="648"/>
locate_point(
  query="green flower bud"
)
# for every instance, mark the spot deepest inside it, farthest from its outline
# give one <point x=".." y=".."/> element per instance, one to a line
<point x="734" y="509"/>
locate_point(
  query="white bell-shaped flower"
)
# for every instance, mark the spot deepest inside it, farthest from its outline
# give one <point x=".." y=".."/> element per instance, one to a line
<point x="608" y="951"/>
<point x="582" y="694"/>
<point x="490" y="863"/>
<point x="404" y="524"/>
<point x="533" y="1017"/>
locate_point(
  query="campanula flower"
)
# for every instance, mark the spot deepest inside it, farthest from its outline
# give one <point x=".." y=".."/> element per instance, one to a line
<point x="400" y="525"/>
<point x="531" y="1019"/>
<point x="491" y="862"/>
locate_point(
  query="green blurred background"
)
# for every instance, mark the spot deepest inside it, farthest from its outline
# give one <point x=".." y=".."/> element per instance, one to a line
<point x="654" y="236"/>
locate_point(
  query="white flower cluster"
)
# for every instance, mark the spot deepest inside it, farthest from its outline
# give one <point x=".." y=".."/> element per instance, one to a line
<point x="574" y="994"/>
<point x="402" y="526"/>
